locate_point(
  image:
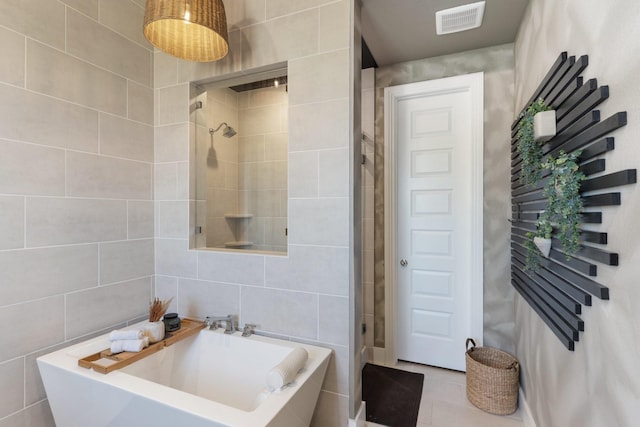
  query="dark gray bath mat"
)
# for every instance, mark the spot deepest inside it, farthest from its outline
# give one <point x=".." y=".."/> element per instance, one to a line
<point x="392" y="395"/>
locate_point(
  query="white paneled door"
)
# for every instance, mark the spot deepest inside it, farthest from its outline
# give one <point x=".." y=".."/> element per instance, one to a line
<point x="437" y="250"/>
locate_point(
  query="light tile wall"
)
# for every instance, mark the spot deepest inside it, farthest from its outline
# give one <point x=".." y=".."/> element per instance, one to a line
<point x="304" y="295"/>
<point x="76" y="180"/>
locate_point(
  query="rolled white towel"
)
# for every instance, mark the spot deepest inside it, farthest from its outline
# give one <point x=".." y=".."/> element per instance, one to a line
<point x="129" y="345"/>
<point x="285" y="372"/>
<point x="119" y="335"/>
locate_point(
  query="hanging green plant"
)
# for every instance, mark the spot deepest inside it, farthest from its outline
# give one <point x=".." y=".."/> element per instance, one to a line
<point x="565" y="206"/>
<point x="530" y="151"/>
<point x="534" y="250"/>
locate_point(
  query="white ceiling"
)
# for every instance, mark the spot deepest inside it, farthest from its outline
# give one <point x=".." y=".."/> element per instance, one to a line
<point x="404" y="30"/>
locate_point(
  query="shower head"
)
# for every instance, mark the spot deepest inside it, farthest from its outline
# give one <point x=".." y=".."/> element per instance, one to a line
<point x="228" y="131"/>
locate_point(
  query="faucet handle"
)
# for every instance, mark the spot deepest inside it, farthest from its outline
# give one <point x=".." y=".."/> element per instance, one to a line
<point x="230" y="326"/>
<point x="249" y="328"/>
<point x="209" y="322"/>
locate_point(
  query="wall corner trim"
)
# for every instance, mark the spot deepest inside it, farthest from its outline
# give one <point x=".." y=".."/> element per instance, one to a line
<point x="361" y="417"/>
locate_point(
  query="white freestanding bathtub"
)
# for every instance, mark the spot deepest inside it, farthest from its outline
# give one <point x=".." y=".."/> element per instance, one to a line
<point x="210" y="379"/>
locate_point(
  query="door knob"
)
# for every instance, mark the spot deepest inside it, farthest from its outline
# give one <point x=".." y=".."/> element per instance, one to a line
<point x="403" y="262"/>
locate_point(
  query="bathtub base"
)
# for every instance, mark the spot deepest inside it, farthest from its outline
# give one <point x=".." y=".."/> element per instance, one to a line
<point x="80" y="397"/>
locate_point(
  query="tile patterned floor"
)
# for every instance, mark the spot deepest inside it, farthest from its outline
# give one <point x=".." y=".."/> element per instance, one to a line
<point x="444" y="402"/>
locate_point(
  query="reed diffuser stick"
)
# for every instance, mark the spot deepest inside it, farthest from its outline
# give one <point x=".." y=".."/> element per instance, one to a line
<point x="157" y="308"/>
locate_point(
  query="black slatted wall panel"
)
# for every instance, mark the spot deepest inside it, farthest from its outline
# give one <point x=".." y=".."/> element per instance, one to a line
<point x="561" y="287"/>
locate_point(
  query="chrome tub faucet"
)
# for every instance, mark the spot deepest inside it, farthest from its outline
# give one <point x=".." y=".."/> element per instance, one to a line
<point x="213" y="322"/>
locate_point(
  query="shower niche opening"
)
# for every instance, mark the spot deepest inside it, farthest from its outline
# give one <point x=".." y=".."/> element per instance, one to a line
<point x="241" y="153"/>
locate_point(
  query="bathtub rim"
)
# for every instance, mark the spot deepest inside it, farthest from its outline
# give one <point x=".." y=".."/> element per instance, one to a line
<point x="67" y="359"/>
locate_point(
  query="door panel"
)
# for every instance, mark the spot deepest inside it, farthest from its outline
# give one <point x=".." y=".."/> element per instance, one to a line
<point x="434" y="222"/>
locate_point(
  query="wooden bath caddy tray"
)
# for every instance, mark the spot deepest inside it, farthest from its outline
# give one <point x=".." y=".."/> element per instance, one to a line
<point x="105" y="362"/>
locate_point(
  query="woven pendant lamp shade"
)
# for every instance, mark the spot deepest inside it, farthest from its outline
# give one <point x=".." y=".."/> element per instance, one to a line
<point x="189" y="29"/>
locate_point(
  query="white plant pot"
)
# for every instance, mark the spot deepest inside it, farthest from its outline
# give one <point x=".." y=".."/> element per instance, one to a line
<point x="154" y="331"/>
<point x="544" y="125"/>
<point x="543" y="245"/>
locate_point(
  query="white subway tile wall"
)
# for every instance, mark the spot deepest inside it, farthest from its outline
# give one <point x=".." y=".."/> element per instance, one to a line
<point x="76" y="183"/>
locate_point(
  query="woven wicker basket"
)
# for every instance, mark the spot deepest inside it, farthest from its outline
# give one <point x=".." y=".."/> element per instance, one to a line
<point x="492" y="379"/>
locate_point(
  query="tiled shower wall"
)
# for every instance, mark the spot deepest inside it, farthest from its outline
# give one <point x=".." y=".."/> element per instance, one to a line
<point x="76" y="179"/>
<point x="244" y="174"/>
<point x="262" y="159"/>
<point x="217" y="167"/>
<point x="304" y="295"/>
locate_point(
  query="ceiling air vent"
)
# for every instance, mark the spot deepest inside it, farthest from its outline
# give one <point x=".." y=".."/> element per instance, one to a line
<point x="459" y="18"/>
